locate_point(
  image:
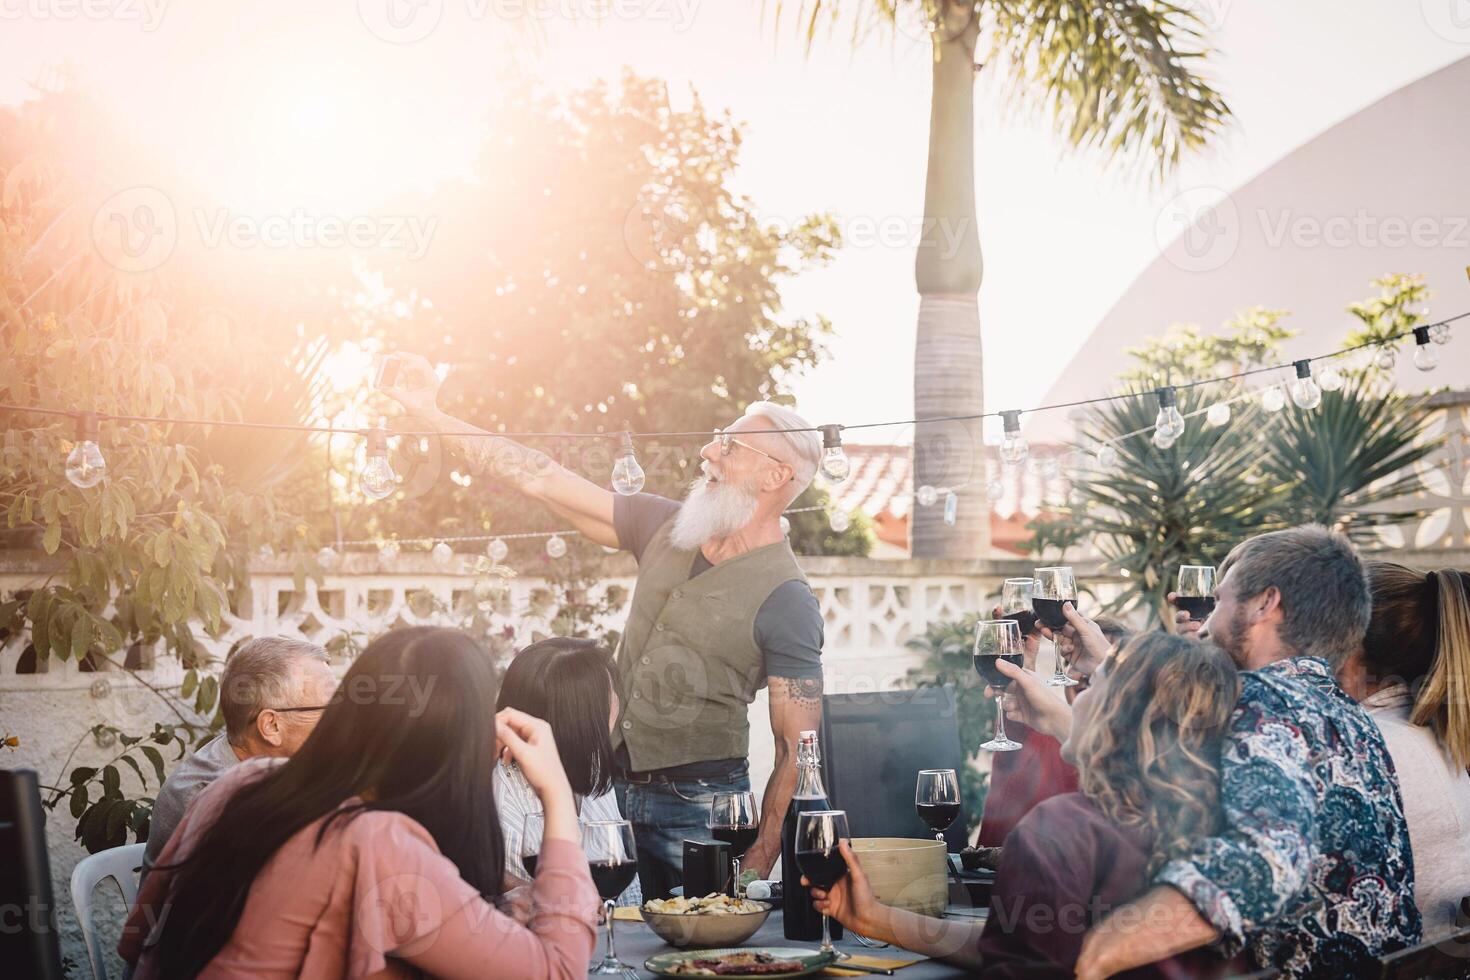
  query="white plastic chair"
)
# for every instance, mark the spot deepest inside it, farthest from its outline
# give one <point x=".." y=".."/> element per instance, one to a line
<point x="122" y="865"/>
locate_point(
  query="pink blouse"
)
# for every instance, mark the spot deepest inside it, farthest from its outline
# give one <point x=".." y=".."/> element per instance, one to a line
<point x="375" y="899"/>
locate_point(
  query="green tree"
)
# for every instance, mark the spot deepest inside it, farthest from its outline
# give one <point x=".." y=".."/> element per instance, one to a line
<point x="1119" y="79"/>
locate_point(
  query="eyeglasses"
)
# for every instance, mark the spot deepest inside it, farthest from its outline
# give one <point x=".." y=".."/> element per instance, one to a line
<point x="282" y="711"/>
<point x="728" y="442"/>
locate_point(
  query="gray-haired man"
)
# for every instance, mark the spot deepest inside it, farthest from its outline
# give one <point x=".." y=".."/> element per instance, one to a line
<point x="721" y="609"/>
<point x="272" y="693"/>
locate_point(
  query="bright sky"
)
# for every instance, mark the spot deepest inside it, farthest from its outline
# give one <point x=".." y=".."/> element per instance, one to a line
<point x="291" y="104"/>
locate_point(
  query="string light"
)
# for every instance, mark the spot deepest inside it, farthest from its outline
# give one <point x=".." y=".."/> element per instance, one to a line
<point x="994" y="490"/>
<point x="1426" y="358"/>
<point x="926" y="496"/>
<point x="556" y="546"/>
<point x="1219" y="414"/>
<point x="1013" y="448"/>
<point x="836" y="467"/>
<point x="497" y="551"/>
<point x="1168" y="423"/>
<point x="1386" y="358"/>
<point x="1273" y="399"/>
<point x="627" y="475"/>
<point x="377" y="479"/>
<point x="442" y="554"/>
<point x="951" y="508"/>
<point x="839" y="521"/>
<point x="1107" y="456"/>
<point x="85" y="466"/>
<point x="388" y="552"/>
<point x="1304" y="391"/>
<point x="1330" y="379"/>
<point x="327" y="557"/>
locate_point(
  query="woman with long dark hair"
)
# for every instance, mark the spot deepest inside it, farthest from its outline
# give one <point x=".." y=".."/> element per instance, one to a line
<point x="377" y="848"/>
<point x="1145" y="738"/>
<point x="572" y="684"/>
<point x="1413" y="676"/>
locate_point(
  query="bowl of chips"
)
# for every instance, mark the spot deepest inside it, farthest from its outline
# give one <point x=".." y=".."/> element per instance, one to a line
<point x="704" y="923"/>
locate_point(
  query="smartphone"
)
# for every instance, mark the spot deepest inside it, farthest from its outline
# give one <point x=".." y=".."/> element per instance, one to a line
<point x="387" y="372"/>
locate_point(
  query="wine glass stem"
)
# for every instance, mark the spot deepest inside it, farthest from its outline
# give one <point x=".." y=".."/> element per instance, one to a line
<point x="607" y="912"/>
<point x="735" y="885"/>
<point x="826" y="935"/>
<point x="1000" y="719"/>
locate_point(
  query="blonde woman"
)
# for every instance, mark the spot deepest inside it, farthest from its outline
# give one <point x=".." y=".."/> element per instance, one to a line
<point x="1145" y="737"/>
<point x="1413" y="676"/>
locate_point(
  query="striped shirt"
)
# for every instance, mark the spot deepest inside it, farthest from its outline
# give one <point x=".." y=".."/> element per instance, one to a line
<point x="515" y="799"/>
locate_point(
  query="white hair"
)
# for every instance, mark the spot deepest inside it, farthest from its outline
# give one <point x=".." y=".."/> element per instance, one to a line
<point x="803" y="449"/>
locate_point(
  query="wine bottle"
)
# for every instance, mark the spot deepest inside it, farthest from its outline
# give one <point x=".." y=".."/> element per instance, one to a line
<point x="799" y="917"/>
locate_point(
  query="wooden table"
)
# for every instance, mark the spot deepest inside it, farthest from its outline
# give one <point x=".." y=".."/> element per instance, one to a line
<point x="636" y="943"/>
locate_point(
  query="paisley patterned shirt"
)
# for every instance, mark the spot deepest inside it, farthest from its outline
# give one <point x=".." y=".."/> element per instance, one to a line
<point x="1312" y="864"/>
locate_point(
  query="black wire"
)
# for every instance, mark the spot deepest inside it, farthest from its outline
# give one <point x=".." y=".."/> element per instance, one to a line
<point x="1101" y="399"/>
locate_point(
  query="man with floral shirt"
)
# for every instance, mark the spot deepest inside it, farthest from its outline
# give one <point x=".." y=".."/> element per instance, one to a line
<point x="1311" y="867"/>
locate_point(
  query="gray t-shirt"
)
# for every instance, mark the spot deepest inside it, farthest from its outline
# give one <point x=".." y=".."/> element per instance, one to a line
<point x="190" y="778"/>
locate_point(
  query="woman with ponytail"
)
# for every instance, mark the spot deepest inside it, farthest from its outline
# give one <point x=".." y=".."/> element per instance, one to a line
<point x="1413" y="676"/>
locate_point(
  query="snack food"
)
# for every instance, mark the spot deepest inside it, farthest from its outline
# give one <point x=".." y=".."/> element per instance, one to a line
<point x="737" y="964"/>
<point x="715" y="904"/>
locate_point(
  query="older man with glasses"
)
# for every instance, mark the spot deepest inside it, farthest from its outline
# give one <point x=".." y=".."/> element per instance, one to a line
<point x="272" y="693"/>
<point x="721" y="609"/>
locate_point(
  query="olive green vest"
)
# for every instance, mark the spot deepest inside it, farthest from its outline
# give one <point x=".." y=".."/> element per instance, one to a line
<point x="689" y="661"/>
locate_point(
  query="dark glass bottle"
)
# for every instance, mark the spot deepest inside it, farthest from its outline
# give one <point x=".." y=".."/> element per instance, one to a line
<point x="800" y="919"/>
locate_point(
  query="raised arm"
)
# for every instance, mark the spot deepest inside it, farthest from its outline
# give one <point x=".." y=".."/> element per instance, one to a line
<point x="531" y="471"/>
<point x="1246" y="875"/>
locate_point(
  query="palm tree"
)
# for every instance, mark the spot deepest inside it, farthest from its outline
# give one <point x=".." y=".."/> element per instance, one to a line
<point x="1116" y="76"/>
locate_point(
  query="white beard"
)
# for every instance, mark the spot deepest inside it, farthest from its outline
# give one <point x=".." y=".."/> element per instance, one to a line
<point x="709" y="512"/>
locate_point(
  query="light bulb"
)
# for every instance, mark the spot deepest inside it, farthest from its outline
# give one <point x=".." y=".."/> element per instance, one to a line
<point x="497" y="551"/>
<point x="1426" y="358"/>
<point x="377" y="479"/>
<point x="627" y="475"/>
<point x="556" y="546"/>
<point x="85" y="466"/>
<point x="1440" y="334"/>
<point x="1107" y="456"/>
<point x="1330" y="379"/>
<point x="388" y="552"/>
<point x="1219" y="414"/>
<point x="1013" y="448"/>
<point x="441" y="554"/>
<point x="1164" y="438"/>
<point x="951" y="508"/>
<point x="1273" y="399"/>
<point x="839" y="521"/>
<point x="926" y="496"/>
<point x="836" y="467"/>
<point x="1304" y="391"/>
<point x="1386" y="358"/>
<point x="327" y="557"/>
<point x="1168" y="421"/>
<point x="994" y="490"/>
<point x="785" y="527"/>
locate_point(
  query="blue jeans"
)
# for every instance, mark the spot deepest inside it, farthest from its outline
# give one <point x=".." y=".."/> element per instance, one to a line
<point x="663" y="815"/>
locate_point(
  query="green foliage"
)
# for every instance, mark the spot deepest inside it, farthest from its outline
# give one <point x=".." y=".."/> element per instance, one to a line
<point x="1347" y="463"/>
<point x="948" y="661"/>
<point x="104" y="812"/>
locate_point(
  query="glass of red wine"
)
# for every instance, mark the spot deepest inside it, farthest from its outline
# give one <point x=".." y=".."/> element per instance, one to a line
<point x="612" y="856"/>
<point x="998" y="639"/>
<point x="1055" y="586"/>
<point x="1196" y="592"/>
<point x="817" y="834"/>
<point x="529" y="848"/>
<point x="1015" y="603"/>
<point x="734" y="819"/>
<point x="937" y="798"/>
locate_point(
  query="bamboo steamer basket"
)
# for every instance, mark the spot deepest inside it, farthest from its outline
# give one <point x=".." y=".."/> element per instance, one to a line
<point x="905" y="872"/>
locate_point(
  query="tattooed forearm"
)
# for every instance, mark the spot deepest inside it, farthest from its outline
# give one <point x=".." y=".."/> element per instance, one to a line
<point x="502" y="459"/>
<point x="806" y="692"/>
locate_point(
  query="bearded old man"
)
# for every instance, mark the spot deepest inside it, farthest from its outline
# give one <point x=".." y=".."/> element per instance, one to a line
<point x="720" y="609"/>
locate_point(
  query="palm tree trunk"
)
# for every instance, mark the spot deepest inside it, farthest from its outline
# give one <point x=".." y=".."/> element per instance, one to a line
<point x="948" y="377"/>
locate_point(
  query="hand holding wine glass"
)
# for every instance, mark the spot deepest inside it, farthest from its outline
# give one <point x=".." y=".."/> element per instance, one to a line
<point x="1055" y="587"/>
<point x="823" y="863"/>
<point x="1195" y="597"/>
<point x="996" y="640"/>
<point x="851" y="900"/>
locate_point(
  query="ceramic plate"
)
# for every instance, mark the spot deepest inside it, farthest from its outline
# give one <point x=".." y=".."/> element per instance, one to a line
<point x="810" y="959"/>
